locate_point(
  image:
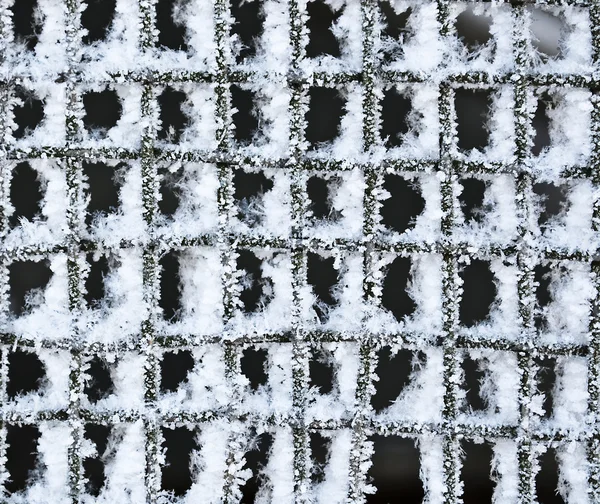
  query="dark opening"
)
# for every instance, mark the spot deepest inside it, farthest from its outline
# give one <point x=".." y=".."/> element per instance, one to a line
<point x="256" y="458"/>
<point x="319" y="191"/>
<point x="324" y="115"/>
<point x="102" y="188"/>
<point x="257" y="291"/>
<point x="473" y="378"/>
<point x="254" y="364"/>
<point x="320" y="448"/>
<point x="541" y="125"/>
<point x="546" y="381"/>
<point x="95" y="290"/>
<point x="25" y="194"/>
<point x="400" y="211"/>
<point x="323" y="276"/>
<point x="29" y="115"/>
<point x="21" y="455"/>
<point x="395" y="471"/>
<point x="171" y="34"/>
<point x="25" y="373"/>
<point x="245" y="120"/>
<point x="471" y="199"/>
<point x="472" y="110"/>
<point x="170" y="192"/>
<point x="26" y="25"/>
<point x="99" y="385"/>
<point x="394" y="295"/>
<point x="546" y="480"/>
<point x="476" y="472"/>
<point x="321" y="39"/>
<point x="321" y="371"/>
<point x="170" y="293"/>
<point x="547" y="33"/>
<point x="396" y="107"/>
<point x="395" y="23"/>
<point x="394" y="375"/>
<point x="97" y="19"/>
<point x="102" y="111"/>
<point x="479" y="292"/>
<point x="542" y="277"/>
<point x="25" y="277"/>
<point x="173" y="120"/>
<point x="93" y="467"/>
<point x="552" y="199"/>
<point x="174" y="369"/>
<point x="249" y="189"/>
<point x="248" y="25"/>
<point x="473" y="30"/>
<point x="176" y="474"/>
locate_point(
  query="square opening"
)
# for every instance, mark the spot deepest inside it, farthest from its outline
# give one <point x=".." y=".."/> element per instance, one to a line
<point x="324" y="116"/>
<point x="395" y="470"/>
<point x="320" y="450"/>
<point x="542" y="276"/>
<point x="98" y="383"/>
<point x="21" y="456"/>
<point x="471" y="199"/>
<point x="321" y="370"/>
<point x="473" y="378"/>
<point x="27" y="24"/>
<point x="25" y="373"/>
<point x="170" y="192"/>
<point x="257" y="458"/>
<point x="95" y="289"/>
<point x="547" y="33"/>
<point x="393" y="371"/>
<point x="26" y="194"/>
<point x="102" y="187"/>
<point x="173" y="119"/>
<point x="479" y="292"/>
<point x="547" y="478"/>
<point x="396" y="107"/>
<point x="321" y="20"/>
<point x="546" y="382"/>
<point x="103" y="110"/>
<point x="399" y="212"/>
<point x="97" y="19"/>
<point x="170" y="286"/>
<point x="323" y="277"/>
<point x="256" y="290"/>
<point x="249" y="190"/>
<point x="395" y="293"/>
<point x="172" y="33"/>
<point x="396" y="22"/>
<point x="28" y="112"/>
<point x="254" y="363"/>
<point x="472" y="108"/>
<point x="245" y="115"/>
<point x="473" y="30"/>
<point x="174" y="370"/>
<point x="247" y="27"/>
<point x="27" y="281"/>
<point x="551" y="201"/>
<point x="320" y="192"/>
<point x="476" y="472"/>
<point x="178" y="443"/>
<point x="93" y="467"/>
<point x="541" y="124"/>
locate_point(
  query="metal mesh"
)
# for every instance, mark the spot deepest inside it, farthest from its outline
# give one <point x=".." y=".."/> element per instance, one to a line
<point x="131" y="337"/>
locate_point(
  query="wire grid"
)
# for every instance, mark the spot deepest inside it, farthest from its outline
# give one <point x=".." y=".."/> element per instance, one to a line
<point x="363" y="423"/>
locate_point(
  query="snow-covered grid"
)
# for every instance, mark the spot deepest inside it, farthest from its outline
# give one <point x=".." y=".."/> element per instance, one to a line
<point x="217" y="401"/>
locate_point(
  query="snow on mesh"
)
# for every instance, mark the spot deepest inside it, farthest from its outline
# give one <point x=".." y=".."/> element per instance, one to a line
<point x="402" y="285"/>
